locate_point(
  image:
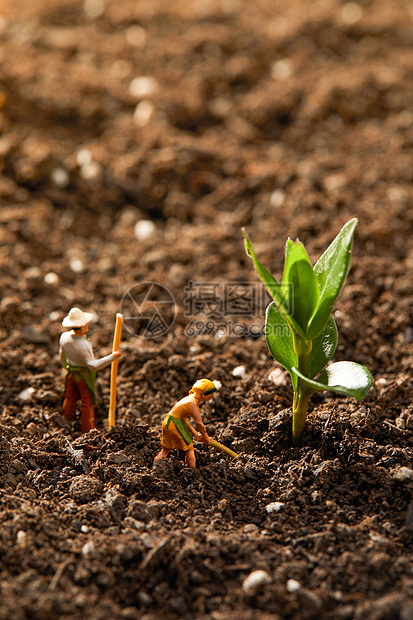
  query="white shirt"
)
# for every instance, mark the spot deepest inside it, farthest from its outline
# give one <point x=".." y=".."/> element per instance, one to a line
<point x="77" y="351"/>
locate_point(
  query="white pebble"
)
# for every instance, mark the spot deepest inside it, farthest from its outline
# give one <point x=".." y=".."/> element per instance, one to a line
<point x="382" y="382"/>
<point x="136" y="35"/>
<point x="403" y="474"/>
<point x="90" y="171"/>
<point x="218" y="384"/>
<point x="256" y="580"/>
<point x="21" y="539"/>
<point x="76" y="265"/>
<point x="88" y="549"/>
<point x="51" y="278"/>
<point x="277" y="198"/>
<point x="84" y="529"/>
<point x="143" y="113"/>
<point x="59" y="177"/>
<point x="278" y="377"/>
<point x="94" y="8"/>
<point x="351" y="13"/>
<point x="281" y="69"/>
<point x="293" y="585"/>
<point x="55" y="315"/>
<point x="144" y="229"/>
<point x="83" y="156"/>
<point x="26" y="394"/>
<point x="239" y="372"/>
<point x="274" y="507"/>
<point x="141" y="87"/>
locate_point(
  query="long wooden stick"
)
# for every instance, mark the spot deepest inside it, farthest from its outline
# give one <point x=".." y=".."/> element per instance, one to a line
<point x="114" y="371"/>
<point x="222" y="448"/>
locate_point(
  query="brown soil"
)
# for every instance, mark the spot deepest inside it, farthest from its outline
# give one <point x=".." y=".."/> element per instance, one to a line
<point x="289" y="118"/>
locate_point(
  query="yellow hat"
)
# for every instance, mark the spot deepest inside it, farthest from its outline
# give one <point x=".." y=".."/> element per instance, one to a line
<point x="205" y="386"/>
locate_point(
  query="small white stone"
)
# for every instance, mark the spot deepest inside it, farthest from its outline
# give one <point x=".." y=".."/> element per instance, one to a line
<point x="83" y="156"/>
<point x="281" y="69"/>
<point x="143" y="86"/>
<point x="59" y="177"/>
<point x="51" y="278"/>
<point x="274" y="507"/>
<point x="84" y="529"/>
<point x="382" y="382"/>
<point x="136" y="36"/>
<point x="88" y="549"/>
<point x="403" y="474"/>
<point x="76" y="265"/>
<point x="143" y="113"/>
<point x="255" y="581"/>
<point x="21" y="539"/>
<point x="90" y="171"/>
<point x="277" y="198"/>
<point x="144" y="229"/>
<point x="55" y="315"/>
<point x="278" y="377"/>
<point x="351" y="13"/>
<point x="239" y="372"/>
<point x="26" y="394"/>
<point x="218" y="384"/>
<point x="293" y="585"/>
<point x="94" y="8"/>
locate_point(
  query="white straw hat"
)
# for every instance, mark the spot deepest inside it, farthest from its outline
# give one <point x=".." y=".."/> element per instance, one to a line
<point x="77" y="318"/>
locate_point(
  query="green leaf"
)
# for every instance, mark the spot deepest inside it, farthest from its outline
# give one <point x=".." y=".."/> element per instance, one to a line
<point x="272" y="286"/>
<point x="280" y="340"/>
<point x="280" y="343"/>
<point x="346" y="378"/>
<point x="331" y="270"/>
<point x="299" y="284"/>
<point x="323" y="349"/>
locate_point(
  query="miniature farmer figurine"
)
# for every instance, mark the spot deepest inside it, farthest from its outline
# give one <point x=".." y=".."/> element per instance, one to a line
<point x="77" y="358"/>
<point x="177" y="432"/>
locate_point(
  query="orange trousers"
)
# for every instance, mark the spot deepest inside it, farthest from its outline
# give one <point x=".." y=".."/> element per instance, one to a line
<point x="75" y="391"/>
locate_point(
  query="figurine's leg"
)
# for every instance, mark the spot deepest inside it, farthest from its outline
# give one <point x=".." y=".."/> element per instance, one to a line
<point x="72" y="395"/>
<point x="162" y="454"/>
<point x="87" y="418"/>
<point x="190" y="458"/>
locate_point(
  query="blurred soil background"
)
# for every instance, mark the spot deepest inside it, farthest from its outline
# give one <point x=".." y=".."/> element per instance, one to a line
<point x="137" y="137"/>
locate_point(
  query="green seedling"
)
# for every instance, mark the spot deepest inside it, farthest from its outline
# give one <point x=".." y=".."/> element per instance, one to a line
<point x="300" y="331"/>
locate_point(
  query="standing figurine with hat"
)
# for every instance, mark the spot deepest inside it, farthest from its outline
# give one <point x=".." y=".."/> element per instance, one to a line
<point x="77" y="358"/>
<point x="177" y="432"/>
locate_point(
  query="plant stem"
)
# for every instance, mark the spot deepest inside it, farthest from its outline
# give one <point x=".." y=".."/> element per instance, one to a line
<point x="301" y="396"/>
<point x="299" y="413"/>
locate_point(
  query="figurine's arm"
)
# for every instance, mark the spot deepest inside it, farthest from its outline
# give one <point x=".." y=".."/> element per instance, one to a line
<point x="89" y="360"/>
<point x="202" y="432"/>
